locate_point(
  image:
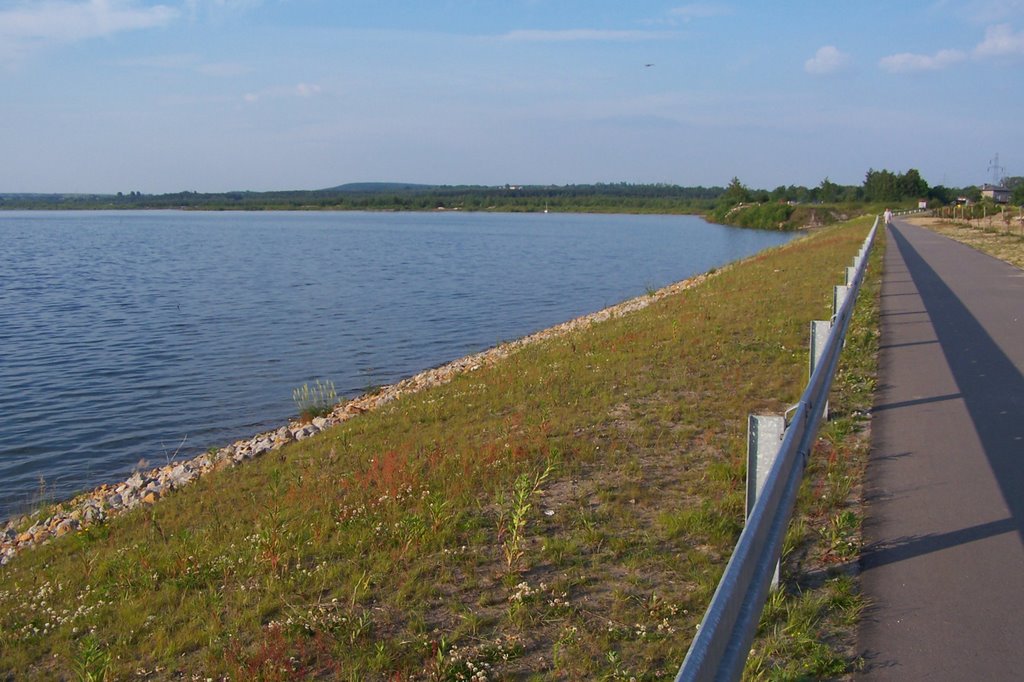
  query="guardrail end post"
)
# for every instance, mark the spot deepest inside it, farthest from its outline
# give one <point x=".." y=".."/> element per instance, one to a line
<point x="764" y="438"/>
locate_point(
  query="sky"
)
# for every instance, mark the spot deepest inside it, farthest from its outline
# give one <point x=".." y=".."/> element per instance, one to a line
<point x="220" y="95"/>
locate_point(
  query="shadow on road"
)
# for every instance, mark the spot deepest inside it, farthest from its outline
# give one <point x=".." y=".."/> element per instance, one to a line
<point x="900" y="549"/>
<point x="991" y="386"/>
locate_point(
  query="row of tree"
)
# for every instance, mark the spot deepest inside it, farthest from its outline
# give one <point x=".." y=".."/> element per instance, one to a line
<point x="880" y="186"/>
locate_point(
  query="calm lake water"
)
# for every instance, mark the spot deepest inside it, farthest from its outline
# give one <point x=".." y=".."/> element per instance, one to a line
<point x="155" y="335"/>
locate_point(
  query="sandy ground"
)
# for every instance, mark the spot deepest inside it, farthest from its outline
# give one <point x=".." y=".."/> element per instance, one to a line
<point x="991" y="235"/>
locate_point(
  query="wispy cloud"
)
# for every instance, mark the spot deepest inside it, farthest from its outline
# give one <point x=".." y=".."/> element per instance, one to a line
<point x="700" y="10"/>
<point x="828" y="59"/>
<point x="906" y="62"/>
<point x="218" y="8"/>
<point x="1000" y="41"/>
<point x="187" y="61"/>
<point x="28" y="26"/>
<point x="307" y="89"/>
<point x="988" y="11"/>
<point x="297" y="90"/>
<point x="222" y="69"/>
<point x="584" y="34"/>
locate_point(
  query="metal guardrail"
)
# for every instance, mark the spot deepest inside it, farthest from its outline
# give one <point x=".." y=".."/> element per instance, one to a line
<point x="720" y="649"/>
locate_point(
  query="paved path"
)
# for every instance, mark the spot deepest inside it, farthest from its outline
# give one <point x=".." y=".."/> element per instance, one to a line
<point x="944" y="527"/>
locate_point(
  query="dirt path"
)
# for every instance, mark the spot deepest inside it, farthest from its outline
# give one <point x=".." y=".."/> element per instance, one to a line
<point x="988" y="236"/>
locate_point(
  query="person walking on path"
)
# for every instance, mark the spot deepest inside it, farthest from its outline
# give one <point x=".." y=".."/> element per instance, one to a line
<point x="888" y="217"/>
<point x="943" y="561"/>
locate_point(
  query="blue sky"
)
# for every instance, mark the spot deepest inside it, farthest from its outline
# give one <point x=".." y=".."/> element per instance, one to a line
<point x="216" y="95"/>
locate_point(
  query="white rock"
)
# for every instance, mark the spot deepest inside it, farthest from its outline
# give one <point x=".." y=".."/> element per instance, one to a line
<point x="179" y="476"/>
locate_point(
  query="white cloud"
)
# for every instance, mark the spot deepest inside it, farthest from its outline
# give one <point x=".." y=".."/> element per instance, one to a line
<point x="906" y="62"/>
<point x="28" y="26"/>
<point x="828" y="59"/>
<point x="1000" y="41"/>
<point x="583" y="34"/>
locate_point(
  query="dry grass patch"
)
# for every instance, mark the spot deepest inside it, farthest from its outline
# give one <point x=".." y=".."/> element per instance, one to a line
<point x="988" y="236"/>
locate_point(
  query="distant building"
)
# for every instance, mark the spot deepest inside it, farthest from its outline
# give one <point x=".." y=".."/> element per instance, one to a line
<point x="922" y="204"/>
<point x="1000" y="195"/>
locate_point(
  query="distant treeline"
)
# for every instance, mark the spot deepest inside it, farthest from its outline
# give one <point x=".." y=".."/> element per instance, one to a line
<point x="611" y="198"/>
<point x="785" y="207"/>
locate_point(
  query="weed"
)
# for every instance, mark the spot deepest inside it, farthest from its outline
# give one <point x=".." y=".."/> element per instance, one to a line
<point x="840" y="535"/>
<point x="92" y="661"/>
<point x="512" y="515"/>
<point x="315" y="401"/>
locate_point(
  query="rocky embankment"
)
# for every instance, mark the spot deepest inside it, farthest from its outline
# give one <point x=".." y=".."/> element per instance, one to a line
<point x="146" y="488"/>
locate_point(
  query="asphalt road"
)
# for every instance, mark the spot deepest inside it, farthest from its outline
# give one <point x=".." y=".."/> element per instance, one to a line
<point x="943" y="565"/>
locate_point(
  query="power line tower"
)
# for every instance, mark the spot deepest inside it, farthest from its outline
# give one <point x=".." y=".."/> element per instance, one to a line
<point x="997" y="171"/>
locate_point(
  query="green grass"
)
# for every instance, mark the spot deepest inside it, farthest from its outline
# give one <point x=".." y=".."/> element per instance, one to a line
<point x="564" y="514"/>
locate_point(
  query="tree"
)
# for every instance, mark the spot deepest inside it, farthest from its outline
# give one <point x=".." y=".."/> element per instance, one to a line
<point x="912" y="185"/>
<point x="885" y="185"/>
<point x="941" y="195"/>
<point x="736" y="192"/>
<point x="828" y="191"/>
<point x="1018" y="194"/>
<point x="880" y="186"/>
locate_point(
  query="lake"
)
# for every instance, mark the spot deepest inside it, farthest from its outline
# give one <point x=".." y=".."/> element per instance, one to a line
<point x="154" y="335"/>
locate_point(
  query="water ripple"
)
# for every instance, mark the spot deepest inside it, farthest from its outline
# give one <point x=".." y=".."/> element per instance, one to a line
<point x="149" y="335"/>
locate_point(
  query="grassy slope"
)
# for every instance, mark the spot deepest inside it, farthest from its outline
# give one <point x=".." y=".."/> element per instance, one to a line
<point x="564" y="514"/>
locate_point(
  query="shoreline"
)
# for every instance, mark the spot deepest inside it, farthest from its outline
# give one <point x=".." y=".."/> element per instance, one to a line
<point x="110" y="500"/>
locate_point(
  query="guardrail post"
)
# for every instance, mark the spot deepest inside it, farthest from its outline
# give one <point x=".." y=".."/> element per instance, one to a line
<point x="764" y="437"/>
<point x="839" y="295"/>
<point x="820" y="330"/>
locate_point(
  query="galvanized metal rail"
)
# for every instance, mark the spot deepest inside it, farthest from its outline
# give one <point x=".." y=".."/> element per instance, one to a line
<point x="720" y="649"/>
